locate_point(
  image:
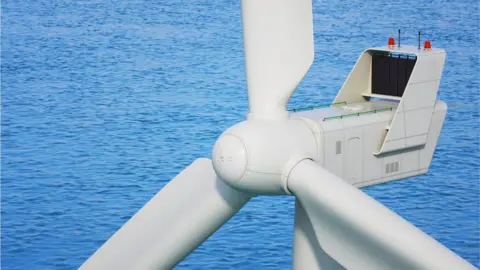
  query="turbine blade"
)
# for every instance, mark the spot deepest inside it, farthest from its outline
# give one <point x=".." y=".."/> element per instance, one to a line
<point x="278" y="40"/>
<point x="307" y="252"/>
<point x="359" y="232"/>
<point x="173" y="223"/>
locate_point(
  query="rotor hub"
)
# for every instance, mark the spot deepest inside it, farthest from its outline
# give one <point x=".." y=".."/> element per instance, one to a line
<point x="230" y="158"/>
<point x="256" y="156"/>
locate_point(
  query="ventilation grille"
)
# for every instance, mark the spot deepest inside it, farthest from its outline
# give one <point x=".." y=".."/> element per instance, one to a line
<point x="392" y="167"/>
<point x="338" y="148"/>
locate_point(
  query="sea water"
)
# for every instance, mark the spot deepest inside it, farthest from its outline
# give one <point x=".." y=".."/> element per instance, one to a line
<point x="103" y="102"/>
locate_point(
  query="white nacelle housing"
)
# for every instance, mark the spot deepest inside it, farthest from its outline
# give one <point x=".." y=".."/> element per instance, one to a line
<point x="346" y="145"/>
<point x="385" y="122"/>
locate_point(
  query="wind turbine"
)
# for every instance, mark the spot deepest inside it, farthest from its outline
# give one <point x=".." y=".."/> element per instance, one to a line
<point x="383" y="126"/>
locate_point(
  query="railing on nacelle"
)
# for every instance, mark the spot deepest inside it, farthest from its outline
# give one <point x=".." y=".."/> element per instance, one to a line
<point x="317" y="106"/>
<point x="357" y="114"/>
<point x="338" y="116"/>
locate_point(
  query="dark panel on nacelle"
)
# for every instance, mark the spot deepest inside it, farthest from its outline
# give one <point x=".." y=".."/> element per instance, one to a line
<point x="380" y="73"/>
<point x="393" y="69"/>
<point x="391" y="72"/>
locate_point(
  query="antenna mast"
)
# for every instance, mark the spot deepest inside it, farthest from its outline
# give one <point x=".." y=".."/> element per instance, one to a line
<point x="418" y="40"/>
<point x="398" y="38"/>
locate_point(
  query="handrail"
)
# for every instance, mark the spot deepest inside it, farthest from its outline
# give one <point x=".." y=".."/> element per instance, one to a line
<point x="403" y="55"/>
<point x="317" y="106"/>
<point x="357" y="114"/>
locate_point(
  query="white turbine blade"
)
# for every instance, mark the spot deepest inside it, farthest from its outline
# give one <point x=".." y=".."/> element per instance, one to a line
<point x="173" y="223"/>
<point x="278" y="38"/>
<point x="359" y="232"/>
<point x="307" y="252"/>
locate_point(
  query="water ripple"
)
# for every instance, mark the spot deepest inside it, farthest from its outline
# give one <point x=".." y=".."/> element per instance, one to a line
<point x="104" y="102"/>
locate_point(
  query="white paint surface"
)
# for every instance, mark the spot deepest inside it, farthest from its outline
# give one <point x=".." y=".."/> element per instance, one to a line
<point x="354" y="229"/>
<point x="172" y="224"/>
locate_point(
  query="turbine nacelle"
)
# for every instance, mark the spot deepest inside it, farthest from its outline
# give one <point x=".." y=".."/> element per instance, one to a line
<point x="256" y="156"/>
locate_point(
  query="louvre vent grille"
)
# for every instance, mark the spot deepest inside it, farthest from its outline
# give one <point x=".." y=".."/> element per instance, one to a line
<point x="392" y="167"/>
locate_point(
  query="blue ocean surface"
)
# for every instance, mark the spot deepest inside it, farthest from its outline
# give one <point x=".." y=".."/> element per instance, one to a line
<point x="103" y="102"/>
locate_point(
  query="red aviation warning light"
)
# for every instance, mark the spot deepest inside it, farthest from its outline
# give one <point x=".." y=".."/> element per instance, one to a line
<point x="391" y="43"/>
<point x="427" y="46"/>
